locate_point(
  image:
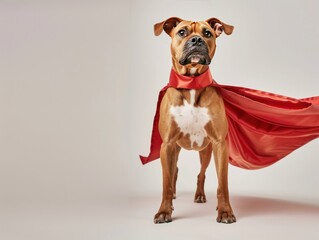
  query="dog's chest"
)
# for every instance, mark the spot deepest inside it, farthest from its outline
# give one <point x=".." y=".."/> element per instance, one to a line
<point x="191" y="119"/>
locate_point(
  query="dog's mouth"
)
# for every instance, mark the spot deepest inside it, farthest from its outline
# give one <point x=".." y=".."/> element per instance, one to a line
<point x="195" y="58"/>
<point x="195" y="54"/>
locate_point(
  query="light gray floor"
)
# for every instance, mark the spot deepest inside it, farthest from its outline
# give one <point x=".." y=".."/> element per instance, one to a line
<point x="130" y="217"/>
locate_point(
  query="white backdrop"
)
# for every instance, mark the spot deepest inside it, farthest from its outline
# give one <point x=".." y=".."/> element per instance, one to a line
<point x="78" y="90"/>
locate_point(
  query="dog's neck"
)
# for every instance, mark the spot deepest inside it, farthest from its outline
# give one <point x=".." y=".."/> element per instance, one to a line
<point x="189" y="70"/>
<point x="180" y="81"/>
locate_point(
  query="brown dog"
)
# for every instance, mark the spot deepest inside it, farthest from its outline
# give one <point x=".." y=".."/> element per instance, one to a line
<point x="193" y="119"/>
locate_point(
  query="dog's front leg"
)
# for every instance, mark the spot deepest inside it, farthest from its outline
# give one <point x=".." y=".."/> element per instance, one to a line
<point x="169" y="162"/>
<point x="225" y="212"/>
<point x="205" y="156"/>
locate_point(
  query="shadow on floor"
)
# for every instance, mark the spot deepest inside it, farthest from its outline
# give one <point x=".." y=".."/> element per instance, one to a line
<point x="245" y="206"/>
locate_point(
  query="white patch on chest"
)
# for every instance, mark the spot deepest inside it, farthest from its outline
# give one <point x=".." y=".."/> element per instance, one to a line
<point x="191" y="120"/>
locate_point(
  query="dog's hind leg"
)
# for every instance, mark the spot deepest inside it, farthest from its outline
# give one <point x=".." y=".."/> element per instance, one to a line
<point x="205" y="156"/>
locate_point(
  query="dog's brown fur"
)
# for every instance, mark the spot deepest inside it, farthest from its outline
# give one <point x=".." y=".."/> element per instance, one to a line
<point x="216" y="129"/>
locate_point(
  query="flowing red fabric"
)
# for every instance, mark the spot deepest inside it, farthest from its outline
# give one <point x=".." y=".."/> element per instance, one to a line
<point x="263" y="127"/>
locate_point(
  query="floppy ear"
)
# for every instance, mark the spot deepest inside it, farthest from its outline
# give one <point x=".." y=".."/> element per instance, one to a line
<point x="219" y="26"/>
<point x="167" y="25"/>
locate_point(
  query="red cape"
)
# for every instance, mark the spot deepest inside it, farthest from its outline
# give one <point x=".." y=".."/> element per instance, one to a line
<point x="263" y="127"/>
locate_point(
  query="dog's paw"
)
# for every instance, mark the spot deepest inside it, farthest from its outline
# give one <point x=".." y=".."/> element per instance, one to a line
<point x="200" y="198"/>
<point x="225" y="216"/>
<point x="162" y="217"/>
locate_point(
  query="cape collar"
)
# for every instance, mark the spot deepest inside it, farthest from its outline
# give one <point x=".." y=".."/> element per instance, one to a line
<point x="196" y="82"/>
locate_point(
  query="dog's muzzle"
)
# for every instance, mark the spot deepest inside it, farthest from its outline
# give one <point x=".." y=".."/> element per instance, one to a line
<point x="195" y="51"/>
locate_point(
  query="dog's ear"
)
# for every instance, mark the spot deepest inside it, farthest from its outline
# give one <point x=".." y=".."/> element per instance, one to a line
<point x="167" y="25"/>
<point x="220" y="27"/>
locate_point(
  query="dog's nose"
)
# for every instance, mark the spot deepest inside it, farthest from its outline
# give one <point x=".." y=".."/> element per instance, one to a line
<point x="196" y="41"/>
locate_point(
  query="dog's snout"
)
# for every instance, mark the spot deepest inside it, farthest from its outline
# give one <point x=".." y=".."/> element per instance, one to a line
<point x="195" y="50"/>
<point x="196" y="41"/>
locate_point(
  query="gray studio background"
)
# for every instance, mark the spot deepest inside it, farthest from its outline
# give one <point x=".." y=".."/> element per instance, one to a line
<point x="78" y="90"/>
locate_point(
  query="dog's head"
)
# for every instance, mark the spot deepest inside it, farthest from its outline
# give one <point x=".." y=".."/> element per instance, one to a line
<point x="193" y="43"/>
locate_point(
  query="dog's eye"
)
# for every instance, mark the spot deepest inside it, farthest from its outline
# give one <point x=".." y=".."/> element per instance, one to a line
<point x="208" y="34"/>
<point x="182" y="33"/>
